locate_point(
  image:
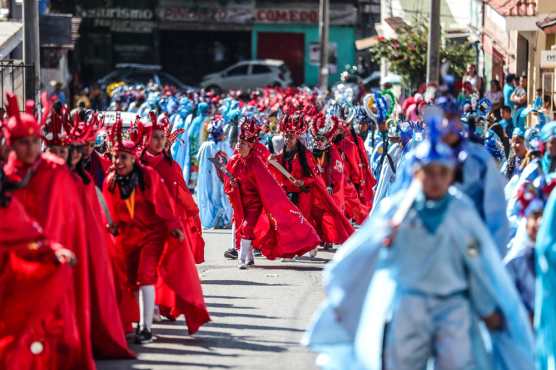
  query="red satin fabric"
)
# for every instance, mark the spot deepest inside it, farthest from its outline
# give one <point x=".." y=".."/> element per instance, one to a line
<point x="330" y="167"/>
<point x="186" y="208"/>
<point x="316" y="204"/>
<point x="366" y="193"/>
<point x="37" y="297"/>
<point x="355" y="209"/>
<point x="178" y="286"/>
<point x="52" y="199"/>
<point x="107" y="330"/>
<point x="280" y="230"/>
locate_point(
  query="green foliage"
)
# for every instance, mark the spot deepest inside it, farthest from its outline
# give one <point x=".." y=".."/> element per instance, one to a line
<point x="407" y="54"/>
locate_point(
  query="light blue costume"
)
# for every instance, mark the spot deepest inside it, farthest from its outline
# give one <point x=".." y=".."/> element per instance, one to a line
<point x="483" y="183"/>
<point x="151" y="104"/>
<point x="397" y="152"/>
<point x="367" y="284"/>
<point x="214" y="205"/>
<point x="194" y="137"/>
<point x="545" y="302"/>
<point x="180" y="121"/>
<point x="520" y="263"/>
<point x="416" y="301"/>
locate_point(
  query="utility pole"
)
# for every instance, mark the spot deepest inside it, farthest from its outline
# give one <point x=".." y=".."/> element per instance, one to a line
<point x="433" y="62"/>
<point x="324" y="26"/>
<point x="31" y="48"/>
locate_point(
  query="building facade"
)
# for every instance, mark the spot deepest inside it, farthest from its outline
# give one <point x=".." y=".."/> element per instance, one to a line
<point x="190" y="38"/>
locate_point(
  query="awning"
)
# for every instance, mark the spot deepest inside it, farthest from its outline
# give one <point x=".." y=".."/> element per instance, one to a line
<point x="11" y="36"/>
<point x="366" y="43"/>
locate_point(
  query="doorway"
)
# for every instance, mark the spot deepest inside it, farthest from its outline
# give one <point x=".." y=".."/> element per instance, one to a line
<point x="286" y="46"/>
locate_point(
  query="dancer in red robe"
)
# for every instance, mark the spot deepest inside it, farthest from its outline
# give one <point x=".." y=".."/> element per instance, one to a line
<point x="158" y="157"/>
<point x="179" y="258"/>
<point x="95" y="164"/>
<point x="39" y="325"/>
<point x="108" y="336"/>
<point x="367" y="183"/>
<point x="309" y="192"/>
<point x="264" y="217"/>
<point x="330" y="165"/>
<point x="148" y="233"/>
<point x="46" y="190"/>
<point x="355" y="209"/>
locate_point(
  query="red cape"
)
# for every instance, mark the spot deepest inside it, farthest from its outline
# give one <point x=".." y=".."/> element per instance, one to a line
<point x="366" y="193"/>
<point x="178" y="288"/>
<point x="331" y="171"/>
<point x="315" y="203"/>
<point x="186" y="208"/>
<point x="36" y="296"/>
<point x="107" y="329"/>
<point x="281" y="230"/>
<point x="52" y="199"/>
<point x="355" y="209"/>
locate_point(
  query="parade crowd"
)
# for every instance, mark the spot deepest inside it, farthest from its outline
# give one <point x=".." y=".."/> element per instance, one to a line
<point x="438" y="206"/>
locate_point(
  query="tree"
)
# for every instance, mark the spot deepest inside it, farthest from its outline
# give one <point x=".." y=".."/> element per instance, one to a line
<point x="407" y="54"/>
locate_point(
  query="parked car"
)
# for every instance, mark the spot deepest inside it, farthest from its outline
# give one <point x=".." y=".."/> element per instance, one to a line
<point x="131" y="73"/>
<point x="249" y="75"/>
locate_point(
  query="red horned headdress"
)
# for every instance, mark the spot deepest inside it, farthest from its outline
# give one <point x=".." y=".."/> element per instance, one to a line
<point x="20" y="124"/>
<point x="293" y="124"/>
<point x="249" y="129"/>
<point x="323" y="130"/>
<point x="134" y="144"/>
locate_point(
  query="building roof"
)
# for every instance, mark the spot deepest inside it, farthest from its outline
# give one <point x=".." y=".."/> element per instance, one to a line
<point x="514" y="8"/>
<point x="11" y="35"/>
<point x="548" y="24"/>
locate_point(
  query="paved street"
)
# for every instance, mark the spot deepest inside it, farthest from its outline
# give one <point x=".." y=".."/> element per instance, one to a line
<point x="258" y="317"/>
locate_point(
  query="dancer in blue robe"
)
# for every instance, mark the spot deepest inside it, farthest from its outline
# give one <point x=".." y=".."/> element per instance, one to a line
<point x="418" y="283"/>
<point x="545" y="301"/>
<point x="214" y="205"/>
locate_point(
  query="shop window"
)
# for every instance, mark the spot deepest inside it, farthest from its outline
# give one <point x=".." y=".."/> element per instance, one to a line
<point x="259" y="69"/>
<point x="237" y="71"/>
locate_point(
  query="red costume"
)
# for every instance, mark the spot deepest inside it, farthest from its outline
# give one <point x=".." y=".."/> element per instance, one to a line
<point x="48" y="194"/>
<point x="144" y="216"/>
<point x="263" y="213"/>
<point x="38" y="329"/>
<point x="366" y="192"/>
<point x="329" y="163"/>
<point x="187" y="209"/>
<point x="313" y="198"/>
<point x="355" y="209"/>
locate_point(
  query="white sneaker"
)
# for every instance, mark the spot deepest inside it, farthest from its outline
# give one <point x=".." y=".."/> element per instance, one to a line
<point x="242" y="265"/>
<point x="156" y="315"/>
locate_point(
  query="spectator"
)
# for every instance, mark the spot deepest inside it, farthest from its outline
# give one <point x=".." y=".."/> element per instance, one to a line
<point x="58" y="91"/>
<point x="473" y="78"/>
<point x="495" y="95"/>
<point x="506" y="121"/>
<point x="519" y="96"/>
<point x="509" y="88"/>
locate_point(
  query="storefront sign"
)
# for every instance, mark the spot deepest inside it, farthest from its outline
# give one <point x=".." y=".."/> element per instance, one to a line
<point x="303" y="14"/>
<point x="201" y="14"/>
<point x="126" y="20"/>
<point x="548" y="59"/>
